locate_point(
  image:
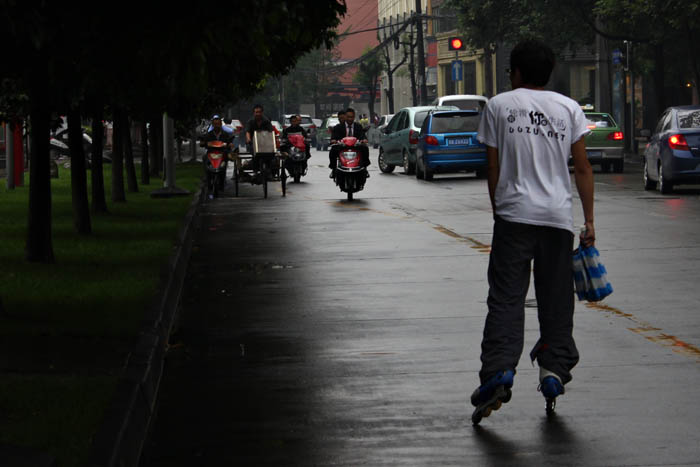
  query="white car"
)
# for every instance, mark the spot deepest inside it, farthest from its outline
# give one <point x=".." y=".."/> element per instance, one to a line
<point x="463" y="101"/>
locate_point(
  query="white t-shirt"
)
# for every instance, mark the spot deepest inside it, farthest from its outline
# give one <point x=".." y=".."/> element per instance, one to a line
<point x="533" y="131"/>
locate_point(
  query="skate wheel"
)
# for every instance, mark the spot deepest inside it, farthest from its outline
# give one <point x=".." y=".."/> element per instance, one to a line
<point x="550" y="405"/>
<point x="487" y="412"/>
<point x="496" y="405"/>
<point x="476" y="417"/>
<point x="507" y="396"/>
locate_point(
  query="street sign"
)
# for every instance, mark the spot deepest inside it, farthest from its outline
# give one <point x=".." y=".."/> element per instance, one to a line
<point x="617" y="57"/>
<point x="456" y="70"/>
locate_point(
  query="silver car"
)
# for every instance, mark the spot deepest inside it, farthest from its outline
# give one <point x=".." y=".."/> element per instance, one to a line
<point x="399" y="139"/>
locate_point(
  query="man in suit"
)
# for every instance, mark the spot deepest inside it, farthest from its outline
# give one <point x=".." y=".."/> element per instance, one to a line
<point x="349" y="128"/>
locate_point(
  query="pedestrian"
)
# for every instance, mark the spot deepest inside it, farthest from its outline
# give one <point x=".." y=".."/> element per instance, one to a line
<point x="529" y="133"/>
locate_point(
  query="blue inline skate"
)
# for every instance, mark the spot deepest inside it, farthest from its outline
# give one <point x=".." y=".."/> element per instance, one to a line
<point x="490" y="395"/>
<point x="551" y="387"/>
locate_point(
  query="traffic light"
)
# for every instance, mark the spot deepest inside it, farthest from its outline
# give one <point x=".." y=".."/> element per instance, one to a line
<point x="455" y="43"/>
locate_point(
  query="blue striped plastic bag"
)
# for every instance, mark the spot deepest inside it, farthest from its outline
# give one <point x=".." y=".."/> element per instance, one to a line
<point x="590" y="276"/>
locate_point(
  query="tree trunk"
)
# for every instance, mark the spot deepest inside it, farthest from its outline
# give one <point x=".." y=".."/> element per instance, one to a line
<point x="118" y="194"/>
<point x="99" y="202"/>
<point x="488" y="65"/>
<point x="372" y="97"/>
<point x="145" y="175"/>
<point x="412" y="72"/>
<point x="78" y="173"/>
<point x="155" y="146"/>
<point x="132" y="183"/>
<point x="39" y="245"/>
<point x="659" y="82"/>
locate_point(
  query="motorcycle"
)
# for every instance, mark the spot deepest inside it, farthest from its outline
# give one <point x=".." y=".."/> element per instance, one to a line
<point x="350" y="175"/>
<point x="295" y="162"/>
<point x="216" y="167"/>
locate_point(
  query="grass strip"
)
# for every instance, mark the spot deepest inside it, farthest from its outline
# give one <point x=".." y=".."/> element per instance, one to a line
<point x="67" y="327"/>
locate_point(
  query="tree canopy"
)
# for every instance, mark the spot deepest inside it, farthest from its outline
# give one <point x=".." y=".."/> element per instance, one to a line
<point x="143" y="58"/>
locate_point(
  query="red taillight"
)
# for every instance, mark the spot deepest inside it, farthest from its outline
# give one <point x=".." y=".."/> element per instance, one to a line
<point x="413" y="137"/>
<point x="313" y="126"/>
<point x="616" y="136"/>
<point x="678" y="142"/>
<point x="431" y="140"/>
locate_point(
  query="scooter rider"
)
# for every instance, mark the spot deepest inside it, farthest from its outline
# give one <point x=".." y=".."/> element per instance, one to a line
<point x="258" y="123"/>
<point x="349" y="128"/>
<point x="216" y="133"/>
<point x="295" y="127"/>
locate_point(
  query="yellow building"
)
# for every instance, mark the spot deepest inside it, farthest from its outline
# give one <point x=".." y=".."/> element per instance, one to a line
<point x="474" y="66"/>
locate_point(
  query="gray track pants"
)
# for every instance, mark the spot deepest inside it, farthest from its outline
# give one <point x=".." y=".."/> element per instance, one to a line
<point x="514" y="246"/>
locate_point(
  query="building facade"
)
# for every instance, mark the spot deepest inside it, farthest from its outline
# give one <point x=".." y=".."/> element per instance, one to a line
<point x="400" y="57"/>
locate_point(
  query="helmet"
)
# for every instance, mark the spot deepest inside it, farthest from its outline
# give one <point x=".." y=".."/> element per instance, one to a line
<point x="216" y="117"/>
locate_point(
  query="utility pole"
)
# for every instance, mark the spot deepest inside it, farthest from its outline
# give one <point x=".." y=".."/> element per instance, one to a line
<point x="421" y="54"/>
<point x="169" y="188"/>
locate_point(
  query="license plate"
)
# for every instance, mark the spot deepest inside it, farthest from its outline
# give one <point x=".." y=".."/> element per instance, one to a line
<point x="594" y="153"/>
<point x="460" y="141"/>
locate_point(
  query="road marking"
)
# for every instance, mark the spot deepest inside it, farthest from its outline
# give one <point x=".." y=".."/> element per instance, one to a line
<point x="476" y="245"/>
<point x="650" y="332"/>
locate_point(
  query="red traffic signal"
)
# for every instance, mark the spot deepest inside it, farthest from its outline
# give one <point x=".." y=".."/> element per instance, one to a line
<point x="455" y="43"/>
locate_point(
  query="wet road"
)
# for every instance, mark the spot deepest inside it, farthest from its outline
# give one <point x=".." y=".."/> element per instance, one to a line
<point x="321" y="332"/>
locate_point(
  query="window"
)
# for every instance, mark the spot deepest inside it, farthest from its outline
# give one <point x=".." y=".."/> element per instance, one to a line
<point x="466" y="104"/>
<point x="469" y="76"/>
<point x="667" y="121"/>
<point x="393" y="123"/>
<point x="419" y="118"/>
<point x="599" y="121"/>
<point x="446" y="21"/>
<point x="454" y="123"/>
<point x="660" y="125"/>
<point x="403" y="121"/>
<point x="448" y="84"/>
<point x="689" y="119"/>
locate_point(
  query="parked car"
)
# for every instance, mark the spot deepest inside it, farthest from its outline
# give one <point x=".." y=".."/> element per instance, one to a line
<point x="323" y="134"/>
<point x="605" y="143"/>
<point x="463" y="101"/>
<point x="672" y="156"/>
<point x="448" y="143"/>
<point x="374" y="135"/>
<point x="398" y="143"/>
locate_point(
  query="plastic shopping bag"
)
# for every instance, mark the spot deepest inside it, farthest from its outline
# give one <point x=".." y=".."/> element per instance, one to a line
<point x="590" y="276"/>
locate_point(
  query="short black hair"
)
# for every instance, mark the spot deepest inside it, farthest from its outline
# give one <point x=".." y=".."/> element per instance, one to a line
<point x="341" y="112"/>
<point x="535" y="60"/>
<point x="349" y="109"/>
<point x="258" y="106"/>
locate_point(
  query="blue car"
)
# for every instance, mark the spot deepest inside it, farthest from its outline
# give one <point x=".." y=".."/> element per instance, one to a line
<point x="672" y="156"/>
<point x="447" y="143"/>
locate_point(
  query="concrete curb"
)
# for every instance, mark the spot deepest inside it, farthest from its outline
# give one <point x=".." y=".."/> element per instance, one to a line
<point x="125" y="425"/>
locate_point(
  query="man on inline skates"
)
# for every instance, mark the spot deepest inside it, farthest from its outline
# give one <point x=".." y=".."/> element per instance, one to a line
<point x="529" y="133"/>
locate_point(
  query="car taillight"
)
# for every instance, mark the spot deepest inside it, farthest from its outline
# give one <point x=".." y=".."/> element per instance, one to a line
<point x="431" y="140"/>
<point x="678" y="142"/>
<point x="413" y="137"/>
<point x="313" y="126"/>
<point x="616" y="136"/>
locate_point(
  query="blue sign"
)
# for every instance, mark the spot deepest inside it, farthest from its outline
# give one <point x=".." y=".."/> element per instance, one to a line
<point x="617" y="57"/>
<point x="456" y="70"/>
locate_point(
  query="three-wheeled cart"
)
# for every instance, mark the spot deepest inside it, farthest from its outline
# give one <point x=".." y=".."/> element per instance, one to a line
<point x="263" y="164"/>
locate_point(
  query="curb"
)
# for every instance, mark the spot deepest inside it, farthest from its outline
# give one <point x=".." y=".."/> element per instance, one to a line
<point x="125" y="425"/>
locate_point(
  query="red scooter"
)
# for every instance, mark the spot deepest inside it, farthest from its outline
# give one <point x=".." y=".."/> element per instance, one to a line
<point x="350" y="175"/>
<point x="216" y="163"/>
<point x="295" y="162"/>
